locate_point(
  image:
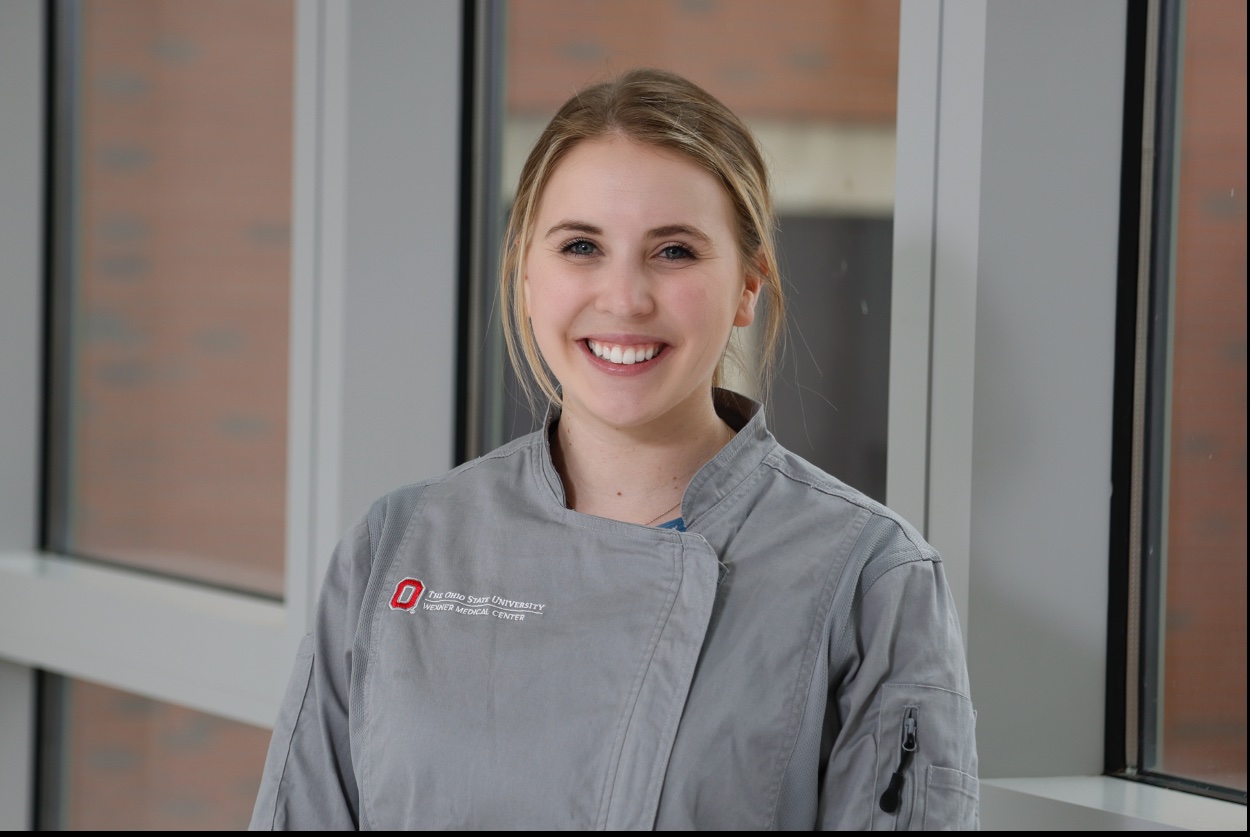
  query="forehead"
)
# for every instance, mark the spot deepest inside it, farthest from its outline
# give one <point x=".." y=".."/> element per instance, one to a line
<point x="618" y="179"/>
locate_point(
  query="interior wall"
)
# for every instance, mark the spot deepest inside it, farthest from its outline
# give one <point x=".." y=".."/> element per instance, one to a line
<point x="1045" y="317"/>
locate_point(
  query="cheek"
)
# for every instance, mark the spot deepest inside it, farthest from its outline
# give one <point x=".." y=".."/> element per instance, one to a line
<point x="707" y="319"/>
<point x="707" y="305"/>
<point x="548" y="303"/>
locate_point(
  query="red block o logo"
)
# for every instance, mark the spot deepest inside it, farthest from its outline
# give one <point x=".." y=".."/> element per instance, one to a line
<point x="407" y="594"/>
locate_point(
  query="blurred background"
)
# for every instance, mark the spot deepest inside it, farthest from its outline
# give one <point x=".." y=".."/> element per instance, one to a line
<point x="170" y="209"/>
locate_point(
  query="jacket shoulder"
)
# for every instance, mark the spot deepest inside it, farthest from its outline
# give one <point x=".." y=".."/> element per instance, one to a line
<point x="396" y="508"/>
<point x="885" y="532"/>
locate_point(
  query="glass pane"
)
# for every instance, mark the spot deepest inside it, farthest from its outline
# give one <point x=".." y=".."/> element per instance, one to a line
<point x="817" y="81"/>
<point x="1203" y="674"/>
<point x="174" y="286"/>
<point x="121" y="761"/>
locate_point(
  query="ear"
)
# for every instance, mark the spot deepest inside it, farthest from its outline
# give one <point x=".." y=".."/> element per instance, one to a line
<point x="753" y="282"/>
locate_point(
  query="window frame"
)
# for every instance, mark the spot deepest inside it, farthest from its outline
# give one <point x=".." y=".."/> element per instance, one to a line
<point x="958" y="210"/>
<point x="970" y="238"/>
<point x="186" y="642"/>
<point x="1141" y="466"/>
<point x="950" y="126"/>
<point x="214" y="650"/>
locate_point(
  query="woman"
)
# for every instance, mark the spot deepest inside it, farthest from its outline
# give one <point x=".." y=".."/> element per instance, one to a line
<point x="648" y="614"/>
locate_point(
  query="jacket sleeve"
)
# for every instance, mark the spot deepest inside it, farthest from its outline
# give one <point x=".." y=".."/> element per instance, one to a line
<point x="309" y="781"/>
<point x="904" y="749"/>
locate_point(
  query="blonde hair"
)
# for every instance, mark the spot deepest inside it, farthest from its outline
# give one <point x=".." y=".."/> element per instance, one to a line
<point x="661" y="109"/>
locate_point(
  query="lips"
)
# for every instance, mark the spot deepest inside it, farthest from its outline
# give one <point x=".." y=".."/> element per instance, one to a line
<point x="624" y="354"/>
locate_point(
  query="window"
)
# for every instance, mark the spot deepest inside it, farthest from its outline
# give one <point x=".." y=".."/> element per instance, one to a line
<point x="172" y="275"/>
<point x="817" y="82"/>
<point x="190" y="644"/>
<point x="168" y="442"/>
<point x="188" y="640"/>
<point x="117" y="761"/>
<point x="1191" y="718"/>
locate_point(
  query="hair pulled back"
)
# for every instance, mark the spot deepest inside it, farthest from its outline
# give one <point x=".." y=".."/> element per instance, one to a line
<point x="664" y="110"/>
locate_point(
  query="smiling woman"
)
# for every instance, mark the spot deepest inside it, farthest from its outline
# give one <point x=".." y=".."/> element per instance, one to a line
<point x="678" y="621"/>
<point x="722" y="179"/>
<point x="633" y="317"/>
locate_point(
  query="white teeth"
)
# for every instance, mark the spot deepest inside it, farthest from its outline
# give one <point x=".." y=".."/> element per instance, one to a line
<point x="624" y="355"/>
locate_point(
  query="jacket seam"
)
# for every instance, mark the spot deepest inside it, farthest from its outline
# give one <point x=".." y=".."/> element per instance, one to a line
<point x="673" y="721"/>
<point x="901" y="684"/>
<point x="286" y="759"/>
<point x="891" y="561"/>
<point x="895" y="559"/>
<point x="834" y="579"/>
<point x="608" y="793"/>
<point x="856" y="499"/>
<point x="375" y="625"/>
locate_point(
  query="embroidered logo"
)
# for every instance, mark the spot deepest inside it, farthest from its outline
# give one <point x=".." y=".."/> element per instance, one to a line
<point x="412" y="593"/>
<point x="407" y="594"/>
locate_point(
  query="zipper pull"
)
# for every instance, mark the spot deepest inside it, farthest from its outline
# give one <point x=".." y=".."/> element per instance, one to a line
<point x="894" y="792"/>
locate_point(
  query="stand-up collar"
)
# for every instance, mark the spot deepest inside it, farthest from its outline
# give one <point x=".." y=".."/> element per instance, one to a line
<point x="716" y="479"/>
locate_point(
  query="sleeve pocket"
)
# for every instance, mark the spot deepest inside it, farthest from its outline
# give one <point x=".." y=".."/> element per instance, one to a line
<point x="918" y="728"/>
<point x="950" y="799"/>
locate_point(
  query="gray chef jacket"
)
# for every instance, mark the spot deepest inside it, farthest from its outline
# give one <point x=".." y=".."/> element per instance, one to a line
<point x="484" y="657"/>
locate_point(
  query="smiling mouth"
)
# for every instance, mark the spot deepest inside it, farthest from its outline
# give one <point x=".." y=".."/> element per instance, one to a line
<point x="622" y="354"/>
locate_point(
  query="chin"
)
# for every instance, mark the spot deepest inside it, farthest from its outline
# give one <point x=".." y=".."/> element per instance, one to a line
<point x="620" y="414"/>
<point x="623" y="410"/>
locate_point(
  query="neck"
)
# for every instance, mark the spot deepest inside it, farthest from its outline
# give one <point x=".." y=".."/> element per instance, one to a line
<point x="635" y="477"/>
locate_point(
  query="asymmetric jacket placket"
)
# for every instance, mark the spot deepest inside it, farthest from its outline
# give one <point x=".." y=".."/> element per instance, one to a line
<point x="485" y="657"/>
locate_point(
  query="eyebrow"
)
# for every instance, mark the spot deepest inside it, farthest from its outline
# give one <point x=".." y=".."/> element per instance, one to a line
<point x="679" y="229"/>
<point x="658" y="232"/>
<point x="575" y="226"/>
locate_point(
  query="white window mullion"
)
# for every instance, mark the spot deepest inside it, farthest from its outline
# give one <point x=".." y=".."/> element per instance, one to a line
<point x="313" y="347"/>
<point x="907" y="450"/>
<point x="22" y="59"/>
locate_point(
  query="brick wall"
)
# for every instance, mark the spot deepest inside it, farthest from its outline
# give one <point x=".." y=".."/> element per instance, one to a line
<point x="182" y="274"/>
<point x="179" y="369"/>
<point x="1204" y="688"/>
<point x="834" y="60"/>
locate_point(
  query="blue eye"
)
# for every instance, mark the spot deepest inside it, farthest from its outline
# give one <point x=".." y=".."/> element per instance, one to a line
<point x="675" y="252"/>
<point x="579" y="247"/>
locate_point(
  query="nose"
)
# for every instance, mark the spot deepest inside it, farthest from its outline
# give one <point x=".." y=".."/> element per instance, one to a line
<point x="625" y="292"/>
